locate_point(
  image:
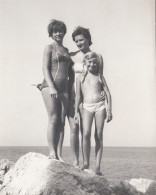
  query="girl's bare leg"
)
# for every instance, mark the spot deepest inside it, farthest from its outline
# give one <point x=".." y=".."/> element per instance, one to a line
<point x="74" y="140"/>
<point x="81" y="128"/>
<point x="96" y="141"/>
<point x="99" y="121"/>
<point x="51" y="105"/>
<point x="87" y="124"/>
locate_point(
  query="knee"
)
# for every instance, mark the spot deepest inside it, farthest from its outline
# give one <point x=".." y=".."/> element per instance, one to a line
<point x="99" y="137"/>
<point x="53" y="119"/>
<point x="74" y="131"/>
<point x="86" y="136"/>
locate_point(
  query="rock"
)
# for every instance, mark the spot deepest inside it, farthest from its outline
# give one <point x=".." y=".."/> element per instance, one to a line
<point x="117" y="188"/>
<point x="139" y="187"/>
<point x="35" y="174"/>
<point x="5" y="165"/>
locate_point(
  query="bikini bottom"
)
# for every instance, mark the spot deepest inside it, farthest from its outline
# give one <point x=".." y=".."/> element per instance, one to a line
<point x="94" y="107"/>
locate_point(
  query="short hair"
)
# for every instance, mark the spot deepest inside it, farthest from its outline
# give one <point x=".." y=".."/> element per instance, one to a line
<point x="56" y="25"/>
<point x="82" y="31"/>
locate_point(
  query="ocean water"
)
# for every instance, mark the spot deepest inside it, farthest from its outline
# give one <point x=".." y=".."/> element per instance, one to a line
<point x="118" y="163"/>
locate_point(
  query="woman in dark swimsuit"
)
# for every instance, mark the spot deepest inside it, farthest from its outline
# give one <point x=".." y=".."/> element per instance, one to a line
<point x="56" y="66"/>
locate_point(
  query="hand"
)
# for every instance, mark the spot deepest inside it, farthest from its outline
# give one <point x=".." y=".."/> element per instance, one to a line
<point x="109" y="116"/>
<point x="76" y="118"/>
<point x="53" y="92"/>
<point x="102" y="96"/>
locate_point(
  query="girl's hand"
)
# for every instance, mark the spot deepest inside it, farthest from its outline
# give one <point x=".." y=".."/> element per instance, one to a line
<point x="53" y="92"/>
<point x="109" y="116"/>
<point x="76" y="118"/>
<point x="102" y="96"/>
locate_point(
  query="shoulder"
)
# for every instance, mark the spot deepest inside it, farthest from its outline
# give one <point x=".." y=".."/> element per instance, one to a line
<point x="66" y="49"/>
<point x="74" y="53"/>
<point x="100" y="57"/>
<point x="48" y="48"/>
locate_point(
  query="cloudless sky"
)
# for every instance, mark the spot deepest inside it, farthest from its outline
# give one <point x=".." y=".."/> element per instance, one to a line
<point x="122" y="31"/>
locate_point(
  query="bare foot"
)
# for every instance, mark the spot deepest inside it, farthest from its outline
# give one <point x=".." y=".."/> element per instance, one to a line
<point x="85" y="166"/>
<point x="53" y="157"/>
<point x="98" y="172"/>
<point x="76" y="164"/>
<point x="60" y="159"/>
<point x="89" y="171"/>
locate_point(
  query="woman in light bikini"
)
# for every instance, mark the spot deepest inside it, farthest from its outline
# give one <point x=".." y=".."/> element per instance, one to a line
<point x="81" y="36"/>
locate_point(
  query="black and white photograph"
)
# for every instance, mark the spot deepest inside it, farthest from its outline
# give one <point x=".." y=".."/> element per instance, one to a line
<point x="77" y="97"/>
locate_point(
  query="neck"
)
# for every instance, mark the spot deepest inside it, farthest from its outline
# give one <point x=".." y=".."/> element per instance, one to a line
<point x="58" y="43"/>
<point x="85" y="51"/>
<point x="93" y="73"/>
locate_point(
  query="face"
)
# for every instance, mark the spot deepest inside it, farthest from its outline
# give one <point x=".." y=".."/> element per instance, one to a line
<point x="82" y="43"/>
<point x="58" y="35"/>
<point x="92" y="65"/>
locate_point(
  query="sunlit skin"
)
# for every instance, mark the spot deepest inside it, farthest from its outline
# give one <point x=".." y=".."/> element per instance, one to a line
<point x="58" y="36"/>
<point x="55" y="95"/>
<point x="83" y="45"/>
<point x="89" y="91"/>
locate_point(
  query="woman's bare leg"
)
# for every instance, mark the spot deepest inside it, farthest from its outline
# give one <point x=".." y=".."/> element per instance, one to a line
<point x="99" y="121"/>
<point x="51" y="105"/>
<point x="74" y="134"/>
<point x="63" y="112"/>
<point x="87" y="124"/>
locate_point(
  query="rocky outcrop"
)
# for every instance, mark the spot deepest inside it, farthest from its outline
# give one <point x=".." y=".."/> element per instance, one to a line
<point x="139" y="187"/>
<point x="35" y="174"/>
<point x="5" y="165"/>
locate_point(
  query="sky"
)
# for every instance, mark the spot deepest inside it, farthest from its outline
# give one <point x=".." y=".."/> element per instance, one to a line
<point x="123" y="32"/>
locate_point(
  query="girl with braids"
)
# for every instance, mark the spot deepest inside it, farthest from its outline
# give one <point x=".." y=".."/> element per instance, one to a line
<point x="88" y="90"/>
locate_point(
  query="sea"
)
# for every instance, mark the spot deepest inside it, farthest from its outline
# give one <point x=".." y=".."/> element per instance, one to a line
<point x="118" y="163"/>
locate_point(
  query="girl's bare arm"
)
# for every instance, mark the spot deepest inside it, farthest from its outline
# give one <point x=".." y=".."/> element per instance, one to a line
<point x="109" y="99"/>
<point x="78" y="99"/>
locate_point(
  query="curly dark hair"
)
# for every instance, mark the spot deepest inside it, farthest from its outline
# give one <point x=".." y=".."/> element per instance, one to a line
<point x="56" y="25"/>
<point x="82" y="31"/>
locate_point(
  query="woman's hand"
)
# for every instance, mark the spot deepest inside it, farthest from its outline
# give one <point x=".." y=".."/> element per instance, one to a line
<point x="109" y="116"/>
<point x="53" y="92"/>
<point x="102" y="96"/>
<point x="76" y="118"/>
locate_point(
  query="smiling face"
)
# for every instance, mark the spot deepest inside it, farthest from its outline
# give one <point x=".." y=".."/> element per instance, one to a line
<point x="82" y="43"/>
<point x="92" y="65"/>
<point x="58" y="35"/>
